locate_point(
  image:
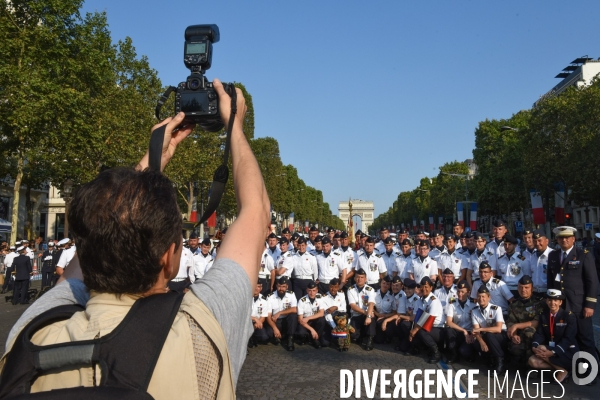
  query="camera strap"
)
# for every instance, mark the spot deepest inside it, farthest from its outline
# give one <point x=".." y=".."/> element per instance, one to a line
<point x="221" y="174"/>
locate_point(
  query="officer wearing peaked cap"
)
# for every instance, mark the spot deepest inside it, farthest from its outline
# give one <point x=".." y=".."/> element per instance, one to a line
<point x="522" y="320"/>
<point x="23" y="270"/>
<point x="572" y="270"/>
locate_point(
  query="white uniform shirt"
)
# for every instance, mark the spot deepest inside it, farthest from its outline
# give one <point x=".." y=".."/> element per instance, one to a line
<point x="497" y="248"/>
<point x="461" y="315"/>
<point x="274" y="253"/>
<point x="199" y="267"/>
<point x="380" y="247"/>
<point x="260" y="307"/>
<point x="453" y="261"/>
<point x="277" y="303"/>
<point x="384" y="304"/>
<point x="476" y="259"/>
<point x="539" y="267"/>
<point x="349" y="258"/>
<point x="305" y="266"/>
<point x="421" y="269"/>
<point x="403" y="265"/>
<point x="30" y="253"/>
<point x="285" y="260"/>
<point x="361" y="298"/>
<point x="432" y="305"/>
<point x="310" y="247"/>
<point x="330" y="266"/>
<point x="390" y="262"/>
<point x="185" y="263"/>
<point x="528" y="254"/>
<point x="435" y="252"/>
<point x="488" y="317"/>
<point x="373" y="266"/>
<point x="8" y="259"/>
<point x="266" y="265"/>
<point x="306" y="308"/>
<point x="400" y="302"/>
<point x="411" y="303"/>
<point x="445" y="297"/>
<point x="499" y="292"/>
<point x="66" y="256"/>
<point x="512" y="268"/>
<point x="339" y="301"/>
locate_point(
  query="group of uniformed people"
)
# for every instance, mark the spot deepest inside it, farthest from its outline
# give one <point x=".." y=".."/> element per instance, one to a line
<point x="19" y="262"/>
<point x="455" y="293"/>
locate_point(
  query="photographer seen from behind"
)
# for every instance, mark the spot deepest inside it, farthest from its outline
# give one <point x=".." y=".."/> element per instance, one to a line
<point x="128" y="230"/>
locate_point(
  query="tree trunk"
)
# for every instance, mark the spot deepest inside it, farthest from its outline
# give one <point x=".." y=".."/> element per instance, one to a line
<point x="16" y="196"/>
<point x="29" y="208"/>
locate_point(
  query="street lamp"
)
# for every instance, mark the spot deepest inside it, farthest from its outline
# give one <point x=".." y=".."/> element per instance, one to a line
<point x="67" y="195"/>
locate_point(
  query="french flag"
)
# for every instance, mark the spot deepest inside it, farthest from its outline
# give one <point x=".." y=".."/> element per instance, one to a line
<point x="431" y="225"/>
<point x="414" y="223"/>
<point x="441" y="224"/>
<point x="424" y="320"/>
<point x="473" y="219"/>
<point x="537" y="207"/>
<point x="459" y="211"/>
<point x="559" y="204"/>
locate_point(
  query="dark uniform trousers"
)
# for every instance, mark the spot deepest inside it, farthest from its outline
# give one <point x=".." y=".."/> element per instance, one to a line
<point x="579" y="283"/>
<point x="47" y="277"/>
<point x="523" y="349"/>
<point x="323" y="288"/>
<point x="286" y="325"/>
<point x="261" y="335"/>
<point x="495" y="342"/>
<point x="299" y="287"/>
<point x="360" y="329"/>
<point x="179" y="286"/>
<point x="456" y="341"/>
<point x="317" y="324"/>
<point x="382" y="336"/>
<point x="8" y="281"/>
<point x="266" y="287"/>
<point x="20" y="291"/>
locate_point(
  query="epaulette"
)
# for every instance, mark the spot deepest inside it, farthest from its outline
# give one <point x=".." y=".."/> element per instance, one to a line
<point x="289" y="291"/>
<point x="269" y="295"/>
<point x="378" y="255"/>
<point x="494" y="307"/>
<point x="397" y="253"/>
<point x="337" y="254"/>
<point x="432" y="297"/>
<point x="521" y="258"/>
<point x="318" y="296"/>
<point x="585" y="252"/>
<point x="399" y="295"/>
<point x="289" y="254"/>
<point x="503" y="255"/>
<point x="309" y="253"/>
<point x="369" y="288"/>
<point x="496" y="280"/>
<point x="303" y="299"/>
<point x="471" y="300"/>
<point x="490" y="253"/>
<point x="451" y="300"/>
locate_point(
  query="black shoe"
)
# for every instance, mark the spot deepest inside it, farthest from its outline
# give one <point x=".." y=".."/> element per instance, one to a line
<point x="316" y="344"/>
<point x="452" y="357"/>
<point x="276" y="341"/>
<point x="435" y="356"/>
<point x="290" y="344"/>
<point x="369" y="344"/>
<point x="413" y="351"/>
<point x="499" y="366"/>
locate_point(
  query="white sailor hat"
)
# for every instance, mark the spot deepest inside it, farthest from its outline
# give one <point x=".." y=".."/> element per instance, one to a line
<point x="24" y="241"/>
<point x="18" y="243"/>
<point x="426" y="234"/>
<point x="50" y="243"/>
<point x="64" y="241"/>
<point x="21" y="248"/>
<point x="563" y="231"/>
<point x="554" y="294"/>
<point x="11" y="248"/>
<point x="597" y="235"/>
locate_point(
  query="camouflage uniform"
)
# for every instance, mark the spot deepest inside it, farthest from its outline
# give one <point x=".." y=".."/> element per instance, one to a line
<point x="523" y="311"/>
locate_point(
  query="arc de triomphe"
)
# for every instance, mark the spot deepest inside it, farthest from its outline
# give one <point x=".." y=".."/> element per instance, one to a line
<point x="364" y="209"/>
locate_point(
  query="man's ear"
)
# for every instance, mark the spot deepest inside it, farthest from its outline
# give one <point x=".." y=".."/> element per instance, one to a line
<point x="167" y="262"/>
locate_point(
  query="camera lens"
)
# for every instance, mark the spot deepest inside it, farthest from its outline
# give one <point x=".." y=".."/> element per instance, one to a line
<point x="194" y="84"/>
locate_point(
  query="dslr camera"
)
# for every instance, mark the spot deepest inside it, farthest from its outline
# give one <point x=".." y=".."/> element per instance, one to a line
<point x="196" y="97"/>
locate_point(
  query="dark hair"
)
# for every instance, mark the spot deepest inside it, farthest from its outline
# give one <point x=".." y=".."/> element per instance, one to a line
<point x="124" y="221"/>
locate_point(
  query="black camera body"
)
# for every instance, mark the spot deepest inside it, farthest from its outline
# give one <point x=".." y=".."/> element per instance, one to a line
<point x="196" y="97"/>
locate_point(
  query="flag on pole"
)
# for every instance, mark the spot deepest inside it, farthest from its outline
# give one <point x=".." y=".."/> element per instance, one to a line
<point x="424" y="320"/>
<point x="473" y="219"/>
<point x="441" y="223"/>
<point x="431" y="225"/>
<point x="414" y="223"/>
<point x="460" y="215"/>
<point x="559" y="203"/>
<point x="537" y="207"/>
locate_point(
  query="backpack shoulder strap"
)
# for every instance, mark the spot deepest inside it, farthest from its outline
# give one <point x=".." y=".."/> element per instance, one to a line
<point x="127" y="356"/>
<point x="22" y="362"/>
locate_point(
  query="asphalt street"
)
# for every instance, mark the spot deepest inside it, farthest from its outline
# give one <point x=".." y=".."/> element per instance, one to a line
<point x="307" y="373"/>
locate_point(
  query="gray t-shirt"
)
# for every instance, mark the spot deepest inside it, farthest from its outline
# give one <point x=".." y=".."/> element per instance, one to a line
<point x="225" y="289"/>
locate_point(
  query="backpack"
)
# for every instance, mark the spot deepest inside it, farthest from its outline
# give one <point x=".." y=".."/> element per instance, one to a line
<point x="126" y="356"/>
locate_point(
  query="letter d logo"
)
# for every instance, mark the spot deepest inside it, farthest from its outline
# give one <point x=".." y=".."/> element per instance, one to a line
<point x="583" y="367"/>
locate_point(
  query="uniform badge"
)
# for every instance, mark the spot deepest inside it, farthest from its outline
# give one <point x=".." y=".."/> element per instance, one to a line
<point x="259" y="310"/>
<point x="365" y="300"/>
<point x="373" y="267"/>
<point x="515" y="269"/>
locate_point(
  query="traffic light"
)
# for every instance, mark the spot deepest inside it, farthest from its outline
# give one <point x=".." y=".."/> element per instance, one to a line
<point x="568" y="216"/>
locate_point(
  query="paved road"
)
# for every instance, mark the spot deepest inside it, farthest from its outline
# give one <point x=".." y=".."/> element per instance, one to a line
<point x="272" y="372"/>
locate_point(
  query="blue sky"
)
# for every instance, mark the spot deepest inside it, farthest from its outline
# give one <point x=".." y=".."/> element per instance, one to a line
<point x="366" y="98"/>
